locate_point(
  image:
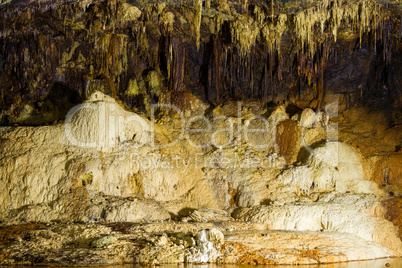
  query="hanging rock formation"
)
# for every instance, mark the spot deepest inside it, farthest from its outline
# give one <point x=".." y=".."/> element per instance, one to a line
<point x="141" y="53"/>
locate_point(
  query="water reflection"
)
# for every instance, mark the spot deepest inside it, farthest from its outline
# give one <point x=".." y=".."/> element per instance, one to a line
<point x="389" y="262"/>
<point x="397" y="263"/>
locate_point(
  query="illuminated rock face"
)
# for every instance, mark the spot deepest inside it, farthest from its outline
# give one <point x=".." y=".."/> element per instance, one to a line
<point x="304" y="187"/>
<point x="150" y="159"/>
<point x="334" y="167"/>
<point x="72" y="156"/>
<point x="102" y="124"/>
<point x="209" y="243"/>
<point x="353" y="214"/>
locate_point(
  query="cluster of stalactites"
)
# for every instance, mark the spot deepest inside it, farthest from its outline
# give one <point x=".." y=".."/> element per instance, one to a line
<point x="13" y="11"/>
<point x="328" y="16"/>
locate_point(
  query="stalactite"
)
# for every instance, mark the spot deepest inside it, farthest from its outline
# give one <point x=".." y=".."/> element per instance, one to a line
<point x="244" y="32"/>
<point x="265" y="82"/>
<point x="375" y="30"/>
<point x="244" y="5"/>
<point x="305" y="30"/>
<point x="231" y="69"/>
<point x="177" y="73"/>
<point x="320" y="84"/>
<point x="168" y="20"/>
<point x="208" y="4"/>
<point x="271" y="63"/>
<point x="169" y="58"/>
<point x="251" y="75"/>
<point x="259" y="15"/>
<point x="197" y="21"/>
<point x="217" y="67"/>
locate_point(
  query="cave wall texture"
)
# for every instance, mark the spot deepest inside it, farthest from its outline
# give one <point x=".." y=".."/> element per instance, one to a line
<point x="53" y="54"/>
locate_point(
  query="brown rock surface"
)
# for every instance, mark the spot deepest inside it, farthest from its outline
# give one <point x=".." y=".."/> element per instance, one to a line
<point x="393" y="208"/>
<point x="288" y="139"/>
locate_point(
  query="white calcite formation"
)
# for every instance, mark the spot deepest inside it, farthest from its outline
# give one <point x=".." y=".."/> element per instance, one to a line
<point x="334" y="167"/>
<point x="106" y="165"/>
<point x="103" y="124"/>
<point x="208" y="247"/>
<point x="359" y="215"/>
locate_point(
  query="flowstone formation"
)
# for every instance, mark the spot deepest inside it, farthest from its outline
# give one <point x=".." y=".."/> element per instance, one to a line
<point x="246" y="189"/>
<point x="245" y="132"/>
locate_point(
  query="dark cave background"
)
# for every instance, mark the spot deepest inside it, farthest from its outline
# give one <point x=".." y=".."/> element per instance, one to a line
<point x="54" y="54"/>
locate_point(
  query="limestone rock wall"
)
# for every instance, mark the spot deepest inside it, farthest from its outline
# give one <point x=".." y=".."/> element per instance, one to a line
<point x="105" y="164"/>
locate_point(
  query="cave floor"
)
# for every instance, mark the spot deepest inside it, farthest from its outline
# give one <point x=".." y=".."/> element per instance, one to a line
<point x="173" y="242"/>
